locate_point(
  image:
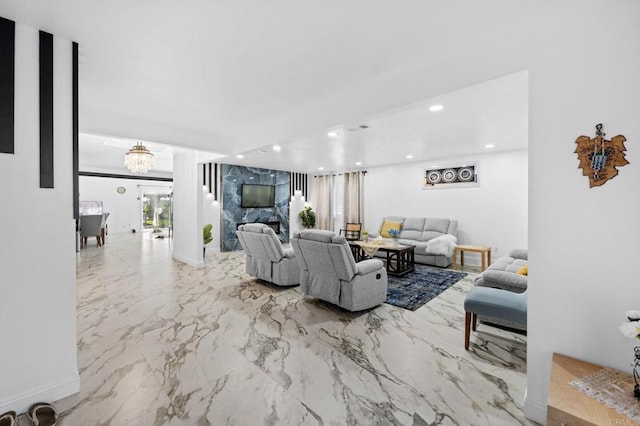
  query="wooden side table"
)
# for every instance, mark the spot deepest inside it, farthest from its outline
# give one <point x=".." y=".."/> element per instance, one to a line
<point x="485" y="255"/>
<point x="568" y="406"/>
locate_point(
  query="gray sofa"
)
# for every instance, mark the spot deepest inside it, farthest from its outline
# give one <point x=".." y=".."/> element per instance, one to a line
<point x="503" y="274"/>
<point x="418" y="231"/>
<point x="329" y="272"/>
<point x="266" y="258"/>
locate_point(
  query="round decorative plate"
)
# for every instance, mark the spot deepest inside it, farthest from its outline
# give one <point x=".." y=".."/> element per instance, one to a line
<point x="449" y="175"/>
<point x="121" y="190"/>
<point x="433" y="177"/>
<point x="465" y="174"/>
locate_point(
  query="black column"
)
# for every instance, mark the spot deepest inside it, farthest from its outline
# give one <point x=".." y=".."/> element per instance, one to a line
<point x="7" y="84"/>
<point x="76" y="169"/>
<point x="46" y="110"/>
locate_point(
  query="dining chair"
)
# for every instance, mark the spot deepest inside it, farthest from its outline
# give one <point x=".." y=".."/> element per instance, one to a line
<point x="351" y="231"/>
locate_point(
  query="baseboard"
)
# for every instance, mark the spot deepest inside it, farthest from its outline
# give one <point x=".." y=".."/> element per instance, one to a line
<point x="196" y="264"/>
<point x="49" y="393"/>
<point x="535" y="410"/>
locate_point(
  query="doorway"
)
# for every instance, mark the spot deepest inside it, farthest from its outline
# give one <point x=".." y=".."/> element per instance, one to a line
<point x="156" y="210"/>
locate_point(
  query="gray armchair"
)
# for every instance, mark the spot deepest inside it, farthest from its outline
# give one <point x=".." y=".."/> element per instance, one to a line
<point x="329" y="272"/>
<point x="266" y="258"/>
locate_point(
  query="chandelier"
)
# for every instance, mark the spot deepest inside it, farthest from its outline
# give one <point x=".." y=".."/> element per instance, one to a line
<point x="139" y="159"/>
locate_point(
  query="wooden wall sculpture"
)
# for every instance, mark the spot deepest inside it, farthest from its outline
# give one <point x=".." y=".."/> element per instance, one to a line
<point x="600" y="158"/>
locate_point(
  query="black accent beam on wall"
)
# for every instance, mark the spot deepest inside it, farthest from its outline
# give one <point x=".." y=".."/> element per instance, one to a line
<point x="210" y="164"/>
<point x="117" y="176"/>
<point x="204" y="174"/>
<point x="7" y="85"/>
<point x="215" y="182"/>
<point x="76" y="130"/>
<point x="46" y="110"/>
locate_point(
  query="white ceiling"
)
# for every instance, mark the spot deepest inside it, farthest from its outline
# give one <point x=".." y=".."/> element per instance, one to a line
<point x="231" y="77"/>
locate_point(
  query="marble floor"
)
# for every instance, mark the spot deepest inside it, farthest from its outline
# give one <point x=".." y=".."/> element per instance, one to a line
<point x="162" y="343"/>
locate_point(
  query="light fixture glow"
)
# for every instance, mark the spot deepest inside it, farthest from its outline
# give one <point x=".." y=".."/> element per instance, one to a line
<point x="333" y="134"/>
<point x="139" y="159"/>
<point x="489" y="146"/>
<point x="320" y="168"/>
<point x="410" y="156"/>
<point x="240" y="156"/>
<point x="435" y="108"/>
<point x="209" y="195"/>
<point x="358" y="163"/>
<point x="277" y="148"/>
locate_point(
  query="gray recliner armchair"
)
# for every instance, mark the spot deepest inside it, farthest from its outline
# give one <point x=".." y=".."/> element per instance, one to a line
<point x="266" y="258"/>
<point x="329" y="272"/>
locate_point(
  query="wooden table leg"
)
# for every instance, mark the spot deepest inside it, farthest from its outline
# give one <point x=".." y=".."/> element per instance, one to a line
<point x="461" y="257"/>
<point x="455" y="258"/>
<point x="489" y="256"/>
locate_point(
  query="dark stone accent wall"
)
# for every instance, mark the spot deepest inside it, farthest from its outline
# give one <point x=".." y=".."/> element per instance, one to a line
<point x="232" y="213"/>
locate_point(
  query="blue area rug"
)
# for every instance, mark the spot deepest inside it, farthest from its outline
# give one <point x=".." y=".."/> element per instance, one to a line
<point x="416" y="288"/>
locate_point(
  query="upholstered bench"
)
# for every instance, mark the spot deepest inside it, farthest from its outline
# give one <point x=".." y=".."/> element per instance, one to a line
<point x="493" y="302"/>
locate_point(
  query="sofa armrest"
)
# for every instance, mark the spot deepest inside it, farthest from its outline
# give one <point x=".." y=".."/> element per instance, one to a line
<point x="502" y="279"/>
<point x="519" y="254"/>
<point x="289" y="253"/>
<point x="368" y="266"/>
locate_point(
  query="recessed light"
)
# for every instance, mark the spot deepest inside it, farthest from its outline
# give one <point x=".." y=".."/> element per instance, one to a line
<point x="277" y="148"/>
<point x="240" y="156"/>
<point x="358" y="163"/>
<point x="436" y="108"/>
<point x="333" y="134"/>
<point x="250" y="177"/>
<point x="489" y="145"/>
<point x="410" y="156"/>
<point x="320" y="168"/>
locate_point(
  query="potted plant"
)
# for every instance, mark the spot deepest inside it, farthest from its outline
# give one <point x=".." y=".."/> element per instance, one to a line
<point x="308" y="217"/>
<point x="365" y="235"/>
<point x="206" y="237"/>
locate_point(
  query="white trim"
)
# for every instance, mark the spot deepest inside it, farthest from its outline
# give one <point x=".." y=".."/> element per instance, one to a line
<point x="535" y="410"/>
<point x="48" y="393"/>
<point x="196" y="264"/>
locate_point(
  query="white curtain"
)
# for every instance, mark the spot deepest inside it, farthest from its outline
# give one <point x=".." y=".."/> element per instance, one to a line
<point x="353" y="197"/>
<point x="324" y="212"/>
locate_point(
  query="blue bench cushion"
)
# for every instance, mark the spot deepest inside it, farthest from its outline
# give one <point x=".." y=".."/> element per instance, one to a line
<point x="497" y="303"/>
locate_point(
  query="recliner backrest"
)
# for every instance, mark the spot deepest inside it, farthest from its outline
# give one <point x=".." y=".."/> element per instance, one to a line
<point x="324" y="253"/>
<point x="260" y="241"/>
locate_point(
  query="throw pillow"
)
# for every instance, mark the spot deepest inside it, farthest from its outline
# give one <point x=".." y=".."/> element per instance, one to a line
<point x="524" y="270"/>
<point x="442" y="245"/>
<point x="384" y="232"/>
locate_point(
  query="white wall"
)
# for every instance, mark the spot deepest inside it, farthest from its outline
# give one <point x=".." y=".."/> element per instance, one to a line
<point x="37" y="248"/>
<point x="187" y="206"/>
<point x="583" y="242"/>
<point x="124" y="208"/>
<point x="492" y="214"/>
<point x="211" y="214"/>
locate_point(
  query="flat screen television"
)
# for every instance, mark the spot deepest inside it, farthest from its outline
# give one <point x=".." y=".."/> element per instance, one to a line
<point x="258" y="195"/>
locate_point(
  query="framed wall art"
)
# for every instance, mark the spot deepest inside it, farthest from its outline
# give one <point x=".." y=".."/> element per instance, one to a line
<point x="454" y="176"/>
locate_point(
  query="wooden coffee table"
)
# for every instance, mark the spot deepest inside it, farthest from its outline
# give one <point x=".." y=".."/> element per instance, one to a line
<point x="400" y="258"/>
